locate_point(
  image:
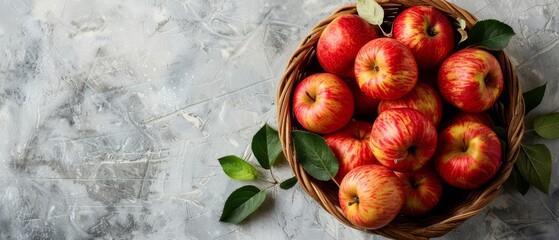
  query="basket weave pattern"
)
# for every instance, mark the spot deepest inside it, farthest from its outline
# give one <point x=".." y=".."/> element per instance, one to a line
<point x="457" y="207"/>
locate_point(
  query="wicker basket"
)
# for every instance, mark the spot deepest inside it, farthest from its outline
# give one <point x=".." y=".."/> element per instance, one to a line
<point x="456" y="206"/>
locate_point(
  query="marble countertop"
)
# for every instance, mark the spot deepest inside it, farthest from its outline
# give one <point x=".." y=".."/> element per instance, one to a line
<point x="113" y="115"/>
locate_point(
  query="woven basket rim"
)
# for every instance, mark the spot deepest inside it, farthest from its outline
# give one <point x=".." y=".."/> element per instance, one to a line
<point x="509" y="109"/>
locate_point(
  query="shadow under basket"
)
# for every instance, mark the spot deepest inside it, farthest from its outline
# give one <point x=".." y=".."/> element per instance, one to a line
<point x="456" y="206"/>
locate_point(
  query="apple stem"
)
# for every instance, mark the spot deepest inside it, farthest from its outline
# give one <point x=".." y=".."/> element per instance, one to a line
<point x="431" y="32"/>
<point x="486" y="79"/>
<point x="355" y="200"/>
<point x="309" y="95"/>
<point x="415" y="183"/>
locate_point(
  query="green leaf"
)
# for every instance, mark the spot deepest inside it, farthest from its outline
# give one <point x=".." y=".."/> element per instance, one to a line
<point x="289" y="183"/>
<point x="534" y="164"/>
<point x="237" y="168"/>
<point x="490" y="34"/>
<point x="241" y="203"/>
<point x="314" y="155"/>
<point x="266" y="146"/>
<point x="533" y="98"/>
<point x="519" y="182"/>
<point x="371" y="11"/>
<point x="547" y="126"/>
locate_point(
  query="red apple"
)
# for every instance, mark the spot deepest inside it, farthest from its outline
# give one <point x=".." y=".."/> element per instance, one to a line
<point x="403" y="139"/>
<point x="423" y="190"/>
<point x="427" y="32"/>
<point x="385" y="69"/>
<point x="481" y="117"/>
<point x="350" y="145"/>
<point x="323" y="103"/>
<point x="471" y="80"/>
<point x="468" y="155"/>
<point x="365" y="106"/>
<point x="422" y="98"/>
<point x="371" y="196"/>
<point x="340" y="41"/>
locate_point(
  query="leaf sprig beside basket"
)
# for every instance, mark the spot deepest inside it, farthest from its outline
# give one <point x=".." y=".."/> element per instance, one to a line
<point x="533" y="166"/>
<point x="245" y="200"/>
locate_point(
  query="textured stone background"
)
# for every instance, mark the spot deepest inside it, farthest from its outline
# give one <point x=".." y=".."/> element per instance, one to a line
<point x="113" y="115"/>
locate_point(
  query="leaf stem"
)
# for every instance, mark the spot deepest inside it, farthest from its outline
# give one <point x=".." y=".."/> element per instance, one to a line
<point x="273" y="177"/>
<point x="336" y="182"/>
<point x="271" y="186"/>
<point x="389" y="34"/>
<point x="530" y="130"/>
<point x="266" y="180"/>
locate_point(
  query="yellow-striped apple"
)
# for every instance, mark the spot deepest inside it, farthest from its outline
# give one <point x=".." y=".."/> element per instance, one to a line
<point x="350" y="145"/>
<point x="427" y="32"/>
<point x="423" y="190"/>
<point x="323" y="103"/>
<point x="468" y="155"/>
<point x="471" y="80"/>
<point x="422" y="98"/>
<point x="340" y="41"/>
<point x="403" y="140"/>
<point x="385" y="69"/>
<point x="371" y="196"/>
